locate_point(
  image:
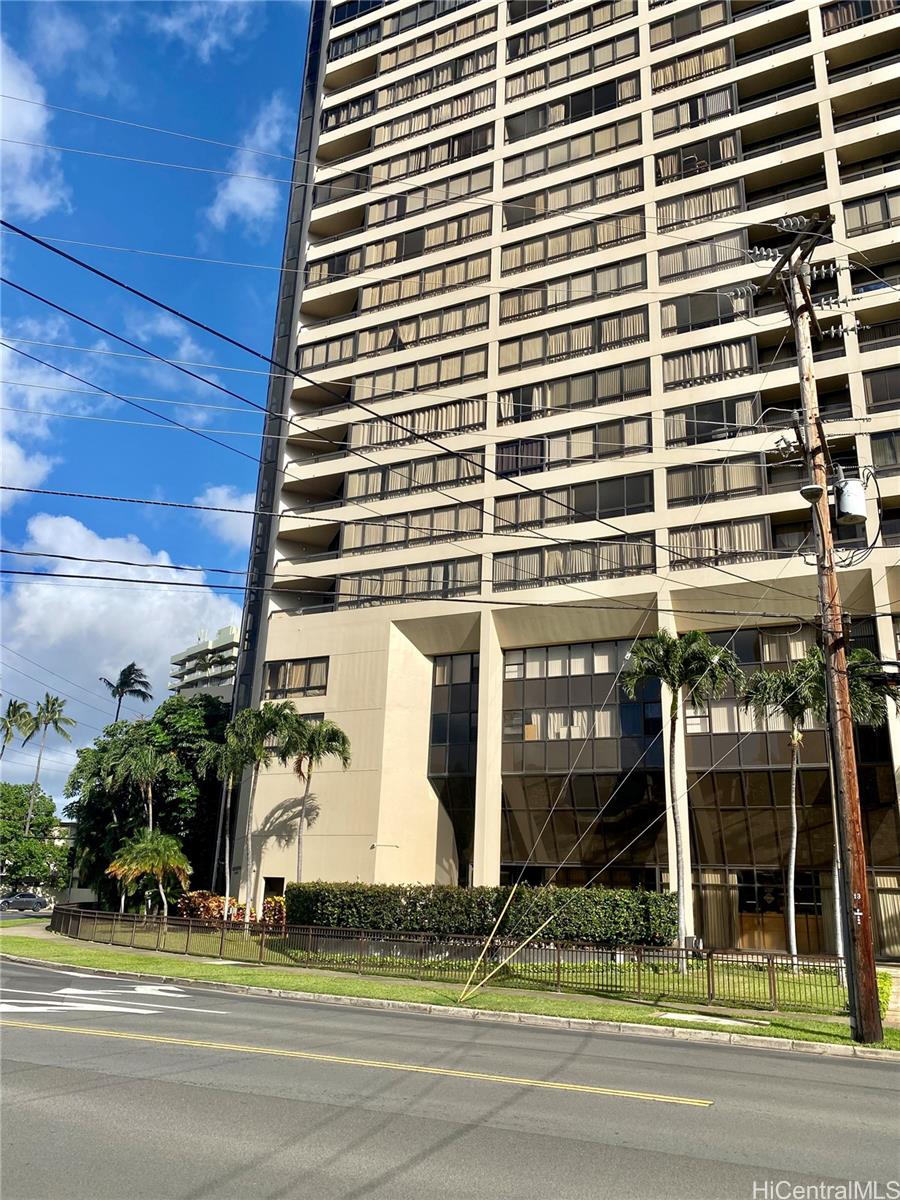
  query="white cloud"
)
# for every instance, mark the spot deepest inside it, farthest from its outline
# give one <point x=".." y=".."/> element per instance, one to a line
<point x="254" y="203"/>
<point x="60" y="42"/>
<point x="231" y="528"/>
<point x="33" y="184"/>
<point x="21" y="469"/>
<point x="84" y="629"/>
<point x="207" y="27"/>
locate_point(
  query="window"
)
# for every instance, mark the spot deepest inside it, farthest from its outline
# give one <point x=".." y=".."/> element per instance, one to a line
<point x="732" y="541"/>
<point x="847" y="13"/>
<point x="722" y="360"/>
<point x="437" y="421"/>
<point x="588" y="443"/>
<point x="427" y="581"/>
<point x="564" y="29"/>
<point x="886" y="452"/>
<point x="698" y="258"/>
<point x="394" y="336"/>
<point x="573" y="290"/>
<point x="574" y="106"/>
<point x="422" y="474"/>
<point x="424" y="375"/>
<point x="591" y="501"/>
<point x="570" y="341"/>
<point x="688" y="24"/>
<point x="351" y="42"/>
<point x="572" y="241"/>
<point x="870" y="213"/>
<point x="701" y="311"/>
<point x="353" y="8"/>
<point x="697" y="158"/>
<point x="700" y="482"/>
<point x="700" y="206"/>
<point x="882" y="388"/>
<point x="435" y="195"/>
<point x="572" y="66"/>
<point x="438" y="154"/>
<point x="711" y="421"/>
<point x="423" y="83"/>
<point x="563" y="562"/>
<point x="694" y="110"/>
<point x="434" y="116"/>
<point x="420" y="14"/>
<point x="585" y="390"/>
<point x="426" y="525"/>
<point x="607" y="185"/>
<point x="696" y="65"/>
<point x="295" y="677"/>
<point x="431" y="43"/>
<point x="557" y="156"/>
<point x="440" y="278"/>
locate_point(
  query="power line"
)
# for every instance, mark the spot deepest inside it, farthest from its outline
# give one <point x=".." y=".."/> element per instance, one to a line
<point x="49" y="387"/>
<point x="42" y="667"/>
<point x="273" y="362"/>
<point x="133" y="403"/>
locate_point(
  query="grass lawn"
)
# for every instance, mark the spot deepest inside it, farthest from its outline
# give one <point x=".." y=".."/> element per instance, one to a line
<point x="78" y="954"/>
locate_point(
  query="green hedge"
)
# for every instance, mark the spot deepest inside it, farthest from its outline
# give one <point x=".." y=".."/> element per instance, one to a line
<point x="603" y="916"/>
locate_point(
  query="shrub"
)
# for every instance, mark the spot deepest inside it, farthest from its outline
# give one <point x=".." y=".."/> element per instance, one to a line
<point x="208" y="906"/>
<point x="601" y="916"/>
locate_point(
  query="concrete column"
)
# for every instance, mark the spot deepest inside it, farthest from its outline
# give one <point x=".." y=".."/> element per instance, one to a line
<point x="676" y="782"/>
<point x="488" y="781"/>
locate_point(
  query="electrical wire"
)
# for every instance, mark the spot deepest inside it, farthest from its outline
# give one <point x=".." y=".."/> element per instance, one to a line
<point x="47" y="670"/>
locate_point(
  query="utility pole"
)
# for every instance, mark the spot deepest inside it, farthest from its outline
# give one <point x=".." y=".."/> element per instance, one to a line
<point x="865" y="1015"/>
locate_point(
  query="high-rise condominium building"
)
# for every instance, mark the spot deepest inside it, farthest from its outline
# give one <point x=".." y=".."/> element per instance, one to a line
<point x="532" y="411"/>
<point x="207" y="666"/>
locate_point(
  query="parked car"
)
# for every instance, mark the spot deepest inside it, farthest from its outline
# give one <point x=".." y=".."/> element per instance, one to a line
<point x="25" y="901"/>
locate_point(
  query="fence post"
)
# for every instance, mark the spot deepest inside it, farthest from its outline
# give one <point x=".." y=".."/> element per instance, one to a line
<point x="359" y="956"/>
<point x="159" y="930"/>
<point x="187" y="940"/>
<point x="78" y="930"/>
<point x="262" y="942"/>
<point x="222" y="940"/>
<point x="773" y="986"/>
<point x="558" y="968"/>
<point x="710" y="977"/>
<point x="133" y="929"/>
<point x="639" y="961"/>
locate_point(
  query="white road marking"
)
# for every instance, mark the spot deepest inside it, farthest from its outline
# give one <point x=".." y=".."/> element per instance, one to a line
<point x="105" y="1000"/>
<point x="59" y="1006"/>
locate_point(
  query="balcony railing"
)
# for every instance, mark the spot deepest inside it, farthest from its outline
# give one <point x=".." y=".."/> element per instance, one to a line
<point x="863" y="68"/>
<point x="776" y="94"/>
<point x="865" y="118"/>
<point x="876" y="337"/>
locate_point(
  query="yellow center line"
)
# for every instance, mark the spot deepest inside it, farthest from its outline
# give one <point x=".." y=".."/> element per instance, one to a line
<point x="413" y="1068"/>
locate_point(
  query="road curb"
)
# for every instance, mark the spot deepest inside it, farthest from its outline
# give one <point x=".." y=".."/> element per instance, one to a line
<point x="747" y="1041"/>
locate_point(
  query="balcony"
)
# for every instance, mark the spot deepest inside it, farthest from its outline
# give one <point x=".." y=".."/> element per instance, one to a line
<point x="848" y="14"/>
<point x="770" y="37"/>
<point x="879" y="336"/>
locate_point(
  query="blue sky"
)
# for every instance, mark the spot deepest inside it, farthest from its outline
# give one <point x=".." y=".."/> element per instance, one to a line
<point x="226" y="70"/>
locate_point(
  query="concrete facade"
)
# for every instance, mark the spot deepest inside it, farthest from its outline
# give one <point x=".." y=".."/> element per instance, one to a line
<point x="533" y="406"/>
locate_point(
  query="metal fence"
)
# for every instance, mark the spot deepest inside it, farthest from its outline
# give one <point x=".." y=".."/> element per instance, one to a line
<point x="655" y="974"/>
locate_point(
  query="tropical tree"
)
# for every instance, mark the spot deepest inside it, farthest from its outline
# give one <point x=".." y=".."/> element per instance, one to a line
<point x="210" y="661"/>
<point x="48" y="714"/>
<point x="151" y="853"/>
<point x="42" y="856"/>
<point x="107" y="804"/>
<point x="228" y="761"/>
<point x="695" y="670"/>
<point x="131" y="681"/>
<point x="312" y="742"/>
<point x="262" y="734"/>
<point x="796" y="693"/>
<point x="143" y="766"/>
<point x="16" y="720"/>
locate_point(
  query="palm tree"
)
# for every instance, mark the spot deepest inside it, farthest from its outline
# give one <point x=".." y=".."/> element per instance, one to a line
<point x="48" y="714"/>
<point x="690" y="664"/>
<point x="151" y="853"/>
<point x="262" y="733"/>
<point x="312" y="743"/>
<point x="228" y="761"/>
<point x="210" y="661"/>
<point x="131" y="681"/>
<point x="15" y="720"/>
<point x="143" y="767"/>
<point x="797" y="692"/>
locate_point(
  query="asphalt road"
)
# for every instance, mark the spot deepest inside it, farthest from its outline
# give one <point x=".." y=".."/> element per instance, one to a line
<point x="13" y="914"/>
<point x="113" y="1090"/>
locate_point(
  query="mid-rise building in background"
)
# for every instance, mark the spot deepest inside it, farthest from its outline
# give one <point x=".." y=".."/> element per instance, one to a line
<point x="207" y="666"/>
<point x="536" y="410"/>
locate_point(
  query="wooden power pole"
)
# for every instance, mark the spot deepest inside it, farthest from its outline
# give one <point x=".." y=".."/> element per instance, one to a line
<point x="865" y="1014"/>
